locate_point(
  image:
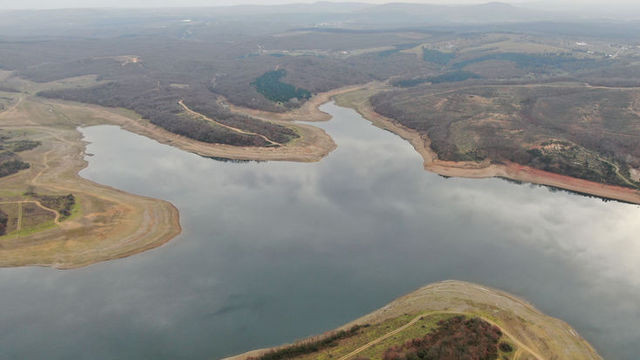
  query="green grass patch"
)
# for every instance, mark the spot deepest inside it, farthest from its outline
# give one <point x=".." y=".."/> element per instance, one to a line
<point x="31" y="230"/>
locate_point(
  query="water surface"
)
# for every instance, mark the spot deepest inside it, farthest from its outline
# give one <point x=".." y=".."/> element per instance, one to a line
<point x="276" y="251"/>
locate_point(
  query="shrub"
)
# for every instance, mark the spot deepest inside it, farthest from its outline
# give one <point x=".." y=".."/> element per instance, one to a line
<point x="455" y="338"/>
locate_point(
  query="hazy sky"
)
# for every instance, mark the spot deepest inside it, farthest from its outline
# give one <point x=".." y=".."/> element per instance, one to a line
<point x="49" y="4"/>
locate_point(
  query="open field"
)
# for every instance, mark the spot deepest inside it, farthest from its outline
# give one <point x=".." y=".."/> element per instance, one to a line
<point x="423" y="143"/>
<point x="531" y="334"/>
<point x="102" y="224"/>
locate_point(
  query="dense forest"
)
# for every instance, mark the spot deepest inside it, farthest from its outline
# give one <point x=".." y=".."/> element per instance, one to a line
<point x="10" y="162"/>
<point x="271" y="87"/>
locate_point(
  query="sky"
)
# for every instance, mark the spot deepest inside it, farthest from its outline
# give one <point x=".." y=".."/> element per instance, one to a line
<point x="52" y="4"/>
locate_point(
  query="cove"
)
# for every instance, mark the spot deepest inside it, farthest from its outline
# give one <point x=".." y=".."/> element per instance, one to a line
<point x="276" y="251"/>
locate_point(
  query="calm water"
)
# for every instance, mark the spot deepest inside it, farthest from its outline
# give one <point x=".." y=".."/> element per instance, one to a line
<point x="275" y="251"/>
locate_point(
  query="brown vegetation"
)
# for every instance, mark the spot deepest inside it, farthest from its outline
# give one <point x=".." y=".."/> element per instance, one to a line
<point x="474" y="169"/>
<point x="571" y="130"/>
<point x="455" y="338"/>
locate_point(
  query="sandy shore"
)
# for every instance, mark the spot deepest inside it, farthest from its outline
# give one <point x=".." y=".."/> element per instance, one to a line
<point x="511" y="171"/>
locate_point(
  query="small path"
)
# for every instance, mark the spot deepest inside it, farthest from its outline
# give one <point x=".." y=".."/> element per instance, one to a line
<point x="617" y="168"/>
<point x="240" y="131"/>
<point x="381" y="338"/>
<point x="520" y="345"/>
<point x="56" y="220"/>
<point x="19" y="224"/>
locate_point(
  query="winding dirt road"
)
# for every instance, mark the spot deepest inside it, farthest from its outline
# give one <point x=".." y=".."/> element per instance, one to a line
<point x="38" y="203"/>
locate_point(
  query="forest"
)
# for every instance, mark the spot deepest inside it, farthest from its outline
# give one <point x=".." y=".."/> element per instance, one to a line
<point x="270" y="86"/>
<point x="570" y="129"/>
<point x="278" y="68"/>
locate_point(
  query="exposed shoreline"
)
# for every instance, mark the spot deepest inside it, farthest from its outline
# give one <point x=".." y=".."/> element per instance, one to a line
<point x="512" y="171"/>
<point x="110" y="223"/>
<point x="543" y="337"/>
<point x="313" y="145"/>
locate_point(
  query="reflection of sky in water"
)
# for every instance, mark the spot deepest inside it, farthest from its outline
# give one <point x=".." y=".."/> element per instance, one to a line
<point x="275" y="251"/>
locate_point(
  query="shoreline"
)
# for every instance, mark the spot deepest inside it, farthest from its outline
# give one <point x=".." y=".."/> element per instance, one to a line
<point x="110" y="224"/>
<point x="511" y="171"/>
<point x="313" y="145"/>
<point x="308" y="112"/>
<point x="539" y="335"/>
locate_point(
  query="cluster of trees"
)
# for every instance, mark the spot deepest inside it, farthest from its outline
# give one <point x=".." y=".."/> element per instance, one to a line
<point x="270" y="86"/>
<point x="19" y="145"/>
<point x="4" y="218"/>
<point x="567" y="163"/>
<point x="10" y="164"/>
<point x="63" y="203"/>
<point x="455" y="338"/>
<point x="311" y="346"/>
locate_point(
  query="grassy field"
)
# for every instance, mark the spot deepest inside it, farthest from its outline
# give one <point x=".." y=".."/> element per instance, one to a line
<point x="529" y="333"/>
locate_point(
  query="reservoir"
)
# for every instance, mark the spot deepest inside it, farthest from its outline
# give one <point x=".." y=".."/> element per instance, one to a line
<point x="272" y="252"/>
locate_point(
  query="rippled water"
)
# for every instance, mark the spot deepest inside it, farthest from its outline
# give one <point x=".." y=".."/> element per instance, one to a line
<point x="276" y="251"/>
